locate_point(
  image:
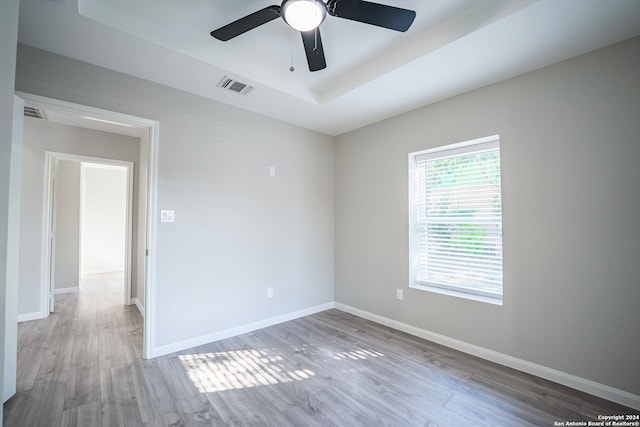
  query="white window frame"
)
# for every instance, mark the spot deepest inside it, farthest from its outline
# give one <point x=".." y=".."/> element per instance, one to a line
<point x="452" y="150"/>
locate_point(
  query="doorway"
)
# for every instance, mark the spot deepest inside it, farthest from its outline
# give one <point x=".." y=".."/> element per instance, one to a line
<point x="143" y="254"/>
<point x="105" y="225"/>
<point x="91" y="223"/>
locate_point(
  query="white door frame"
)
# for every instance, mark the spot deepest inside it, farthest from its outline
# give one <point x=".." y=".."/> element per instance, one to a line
<point x="49" y="236"/>
<point x="51" y="159"/>
<point x="13" y="255"/>
<point x="150" y="142"/>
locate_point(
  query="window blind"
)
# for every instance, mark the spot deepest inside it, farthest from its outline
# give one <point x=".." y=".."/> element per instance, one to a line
<point x="459" y="222"/>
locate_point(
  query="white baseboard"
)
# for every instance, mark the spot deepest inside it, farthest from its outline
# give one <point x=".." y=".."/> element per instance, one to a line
<point x="90" y="272"/>
<point x="239" y="330"/>
<point x="138" y="304"/>
<point x="25" y="317"/>
<point x="69" y="290"/>
<point x="606" y="392"/>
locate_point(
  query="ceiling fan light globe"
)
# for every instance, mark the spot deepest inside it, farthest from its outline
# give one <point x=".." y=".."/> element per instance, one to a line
<point x="303" y="15"/>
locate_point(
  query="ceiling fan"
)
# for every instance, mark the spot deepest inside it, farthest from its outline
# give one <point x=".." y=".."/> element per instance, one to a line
<point x="307" y="15"/>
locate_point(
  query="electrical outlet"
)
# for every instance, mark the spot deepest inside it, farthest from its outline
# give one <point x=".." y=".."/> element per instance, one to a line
<point x="272" y="171"/>
<point x="399" y="294"/>
<point x="269" y="292"/>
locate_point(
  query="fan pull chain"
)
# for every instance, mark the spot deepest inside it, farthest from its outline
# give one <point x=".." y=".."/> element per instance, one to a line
<point x="292" y="41"/>
<point x="315" y="34"/>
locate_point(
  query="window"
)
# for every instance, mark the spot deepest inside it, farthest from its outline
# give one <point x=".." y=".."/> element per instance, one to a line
<point x="455" y="220"/>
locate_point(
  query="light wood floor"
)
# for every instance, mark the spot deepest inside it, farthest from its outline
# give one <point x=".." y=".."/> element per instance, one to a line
<point x="82" y="367"/>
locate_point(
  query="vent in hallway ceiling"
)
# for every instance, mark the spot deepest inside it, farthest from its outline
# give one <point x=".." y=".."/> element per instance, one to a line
<point x="34" y="112"/>
<point x="234" y="86"/>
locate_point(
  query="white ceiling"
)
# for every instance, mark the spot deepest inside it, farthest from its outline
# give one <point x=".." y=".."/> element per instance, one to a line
<point x="372" y="73"/>
<point x="71" y="119"/>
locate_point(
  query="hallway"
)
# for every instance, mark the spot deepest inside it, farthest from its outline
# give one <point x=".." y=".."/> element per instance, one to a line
<point x="64" y="361"/>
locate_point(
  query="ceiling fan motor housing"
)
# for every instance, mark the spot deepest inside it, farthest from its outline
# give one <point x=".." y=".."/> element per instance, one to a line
<point x="303" y="15"/>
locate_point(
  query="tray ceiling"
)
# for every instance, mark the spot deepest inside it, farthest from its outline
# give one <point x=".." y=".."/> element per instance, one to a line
<point x="372" y="73"/>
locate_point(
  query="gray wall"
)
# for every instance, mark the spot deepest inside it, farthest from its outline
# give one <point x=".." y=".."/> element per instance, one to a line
<point x="41" y="136"/>
<point x="237" y="230"/>
<point x="571" y="213"/>
<point x="67" y="193"/>
<point x="8" y="40"/>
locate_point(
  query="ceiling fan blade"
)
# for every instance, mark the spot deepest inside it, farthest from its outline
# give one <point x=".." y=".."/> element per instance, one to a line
<point x="313" y="48"/>
<point x="381" y="15"/>
<point x="247" y="23"/>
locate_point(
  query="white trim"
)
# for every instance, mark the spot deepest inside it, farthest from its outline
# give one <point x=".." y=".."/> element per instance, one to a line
<point x="152" y="140"/>
<point x="458" y="294"/>
<point x="239" y="330"/>
<point x="45" y="271"/>
<point x="68" y="290"/>
<point x="139" y="305"/>
<point x="90" y="272"/>
<point x="81" y="206"/>
<point x="475" y="145"/>
<point x="36" y="315"/>
<point x="606" y="392"/>
<point x="149" y="338"/>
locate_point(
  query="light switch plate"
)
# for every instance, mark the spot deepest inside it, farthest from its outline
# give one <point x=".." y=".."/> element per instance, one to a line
<point x="167" y="216"/>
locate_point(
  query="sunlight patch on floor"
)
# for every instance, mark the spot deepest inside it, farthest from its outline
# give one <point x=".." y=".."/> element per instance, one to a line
<point x="238" y="369"/>
<point x="357" y="354"/>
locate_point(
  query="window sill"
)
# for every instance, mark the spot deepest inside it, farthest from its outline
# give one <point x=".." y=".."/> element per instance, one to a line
<point x="458" y="294"/>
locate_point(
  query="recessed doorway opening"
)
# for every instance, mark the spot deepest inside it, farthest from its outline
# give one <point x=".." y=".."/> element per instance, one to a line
<point x="139" y="264"/>
<point x="105" y="237"/>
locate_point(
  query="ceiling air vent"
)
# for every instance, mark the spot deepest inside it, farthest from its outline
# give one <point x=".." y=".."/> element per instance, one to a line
<point x="34" y="112"/>
<point x="234" y="86"/>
